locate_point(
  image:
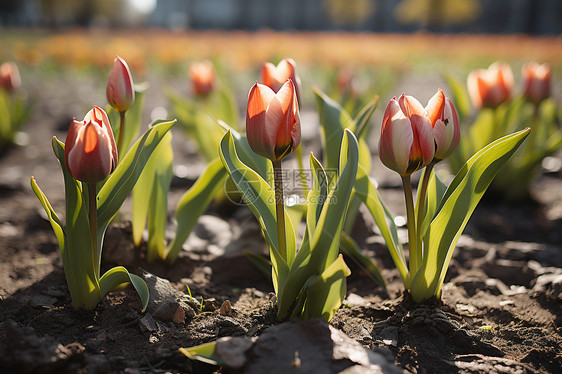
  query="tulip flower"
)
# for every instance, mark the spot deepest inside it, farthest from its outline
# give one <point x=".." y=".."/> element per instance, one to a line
<point x="120" y="89"/>
<point x="120" y="93"/>
<point x="9" y="76"/>
<point x="90" y="152"/>
<point x="491" y="87"/>
<point x="406" y="143"/>
<point x="275" y="76"/>
<point x="202" y="75"/>
<point x="272" y="121"/>
<point x="536" y="81"/>
<point x="445" y="122"/>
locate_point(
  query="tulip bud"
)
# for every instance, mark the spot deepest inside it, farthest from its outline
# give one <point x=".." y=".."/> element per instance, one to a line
<point x="491" y="87"/>
<point x="202" y="76"/>
<point x="90" y="152"/>
<point x="536" y="81"/>
<point x="9" y="76"/>
<point x="274" y="77"/>
<point x="406" y="143"/>
<point x="120" y="89"/>
<point x="272" y="121"/>
<point x="445" y="122"/>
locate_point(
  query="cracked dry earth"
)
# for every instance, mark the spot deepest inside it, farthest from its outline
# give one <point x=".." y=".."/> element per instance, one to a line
<point x="500" y="311"/>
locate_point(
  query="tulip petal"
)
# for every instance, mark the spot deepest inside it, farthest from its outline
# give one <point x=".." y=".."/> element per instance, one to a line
<point x="411" y="106"/>
<point x="261" y="140"/>
<point x="473" y="87"/>
<point x="396" y="139"/>
<point x="446" y="132"/>
<point x="435" y="106"/>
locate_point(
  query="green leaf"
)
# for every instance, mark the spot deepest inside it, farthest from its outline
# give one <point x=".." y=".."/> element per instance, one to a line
<point x="119" y="276"/>
<point x="204" y="353"/>
<point x="459" y="97"/>
<point x="326" y="239"/>
<point x="260" y="198"/>
<point x="325" y="293"/>
<point x="458" y="203"/>
<point x="316" y="255"/>
<point x="317" y="195"/>
<point x="7" y="130"/>
<point x="120" y="183"/>
<point x="133" y="118"/>
<point x="435" y="191"/>
<point x="81" y="265"/>
<point x="193" y="203"/>
<point x="362" y="119"/>
<point x="262" y="264"/>
<point x="350" y="248"/>
<point x="53" y="218"/>
<point x="199" y="119"/>
<point x="333" y="120"/>
<point x="367" y="192"/>
<point x="150" y="198"/>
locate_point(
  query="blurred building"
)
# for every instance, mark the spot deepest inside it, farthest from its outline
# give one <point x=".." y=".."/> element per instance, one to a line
<point x="472" y="16"/>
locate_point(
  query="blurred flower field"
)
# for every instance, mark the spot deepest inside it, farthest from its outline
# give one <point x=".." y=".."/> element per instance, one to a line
<point x="241" y="50"/>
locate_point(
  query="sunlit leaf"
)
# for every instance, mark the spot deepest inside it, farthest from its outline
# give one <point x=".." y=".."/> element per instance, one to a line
<point x="457" y="205"/>
<point x="118" y="276"/>
<point x="194" y="202"/>
<point x="120" y="183"/>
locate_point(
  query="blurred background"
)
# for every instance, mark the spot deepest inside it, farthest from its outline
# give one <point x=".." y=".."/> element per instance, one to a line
<point x="536" y="17"/>
<point x="65" y="48"/>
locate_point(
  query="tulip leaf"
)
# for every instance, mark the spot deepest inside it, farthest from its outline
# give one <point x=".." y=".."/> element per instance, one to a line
<point x="118" y="276"/>
<point x="457" y="205"/>
<point x="51" y="214"/>
<point x="194" y="202"/>
<point x="133" y="118"/>
<point x="459" y="97"/>
<point x="325" y="241"/>
<point x="333" y="120"/>
<point x="81" y="265"/>
<point x="204" y="353"/>
<point x="260" y="198"/>
<point x="349" y="247"/>
<point x="262" y="264"/>
<point x="362" y="119"/>
<point x="199" y="117"/>
<point x="150" y="199"/>
<point x="367" y="192"/>
<point x="435" y="191"/>
<point x="317" y="195"/>
<point x="325" y="293"/>
<point x="120" y="183"/>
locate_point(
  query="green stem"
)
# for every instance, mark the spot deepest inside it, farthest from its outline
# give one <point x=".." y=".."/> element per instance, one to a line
<point x="121" y="131"/>
<point x="421" y="204"/>
<point x="411" y="222"/>
<point x="93" y="218"/>
<point x="280" y="208"/>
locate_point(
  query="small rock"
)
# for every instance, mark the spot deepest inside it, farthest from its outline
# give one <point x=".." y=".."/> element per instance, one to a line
<point x="163" y="302"/>
<point x="355" y="299"/>
<point x="214" y="229"/>
<point x="320" y="348"/>
<point x="233" y="350"/>
<point x="179" y="316"/>
<point x="226" y="308"/>
<point x="148" y="323"/>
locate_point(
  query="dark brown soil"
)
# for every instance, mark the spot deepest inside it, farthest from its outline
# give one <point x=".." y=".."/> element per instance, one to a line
<point x="500" y="311"/>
